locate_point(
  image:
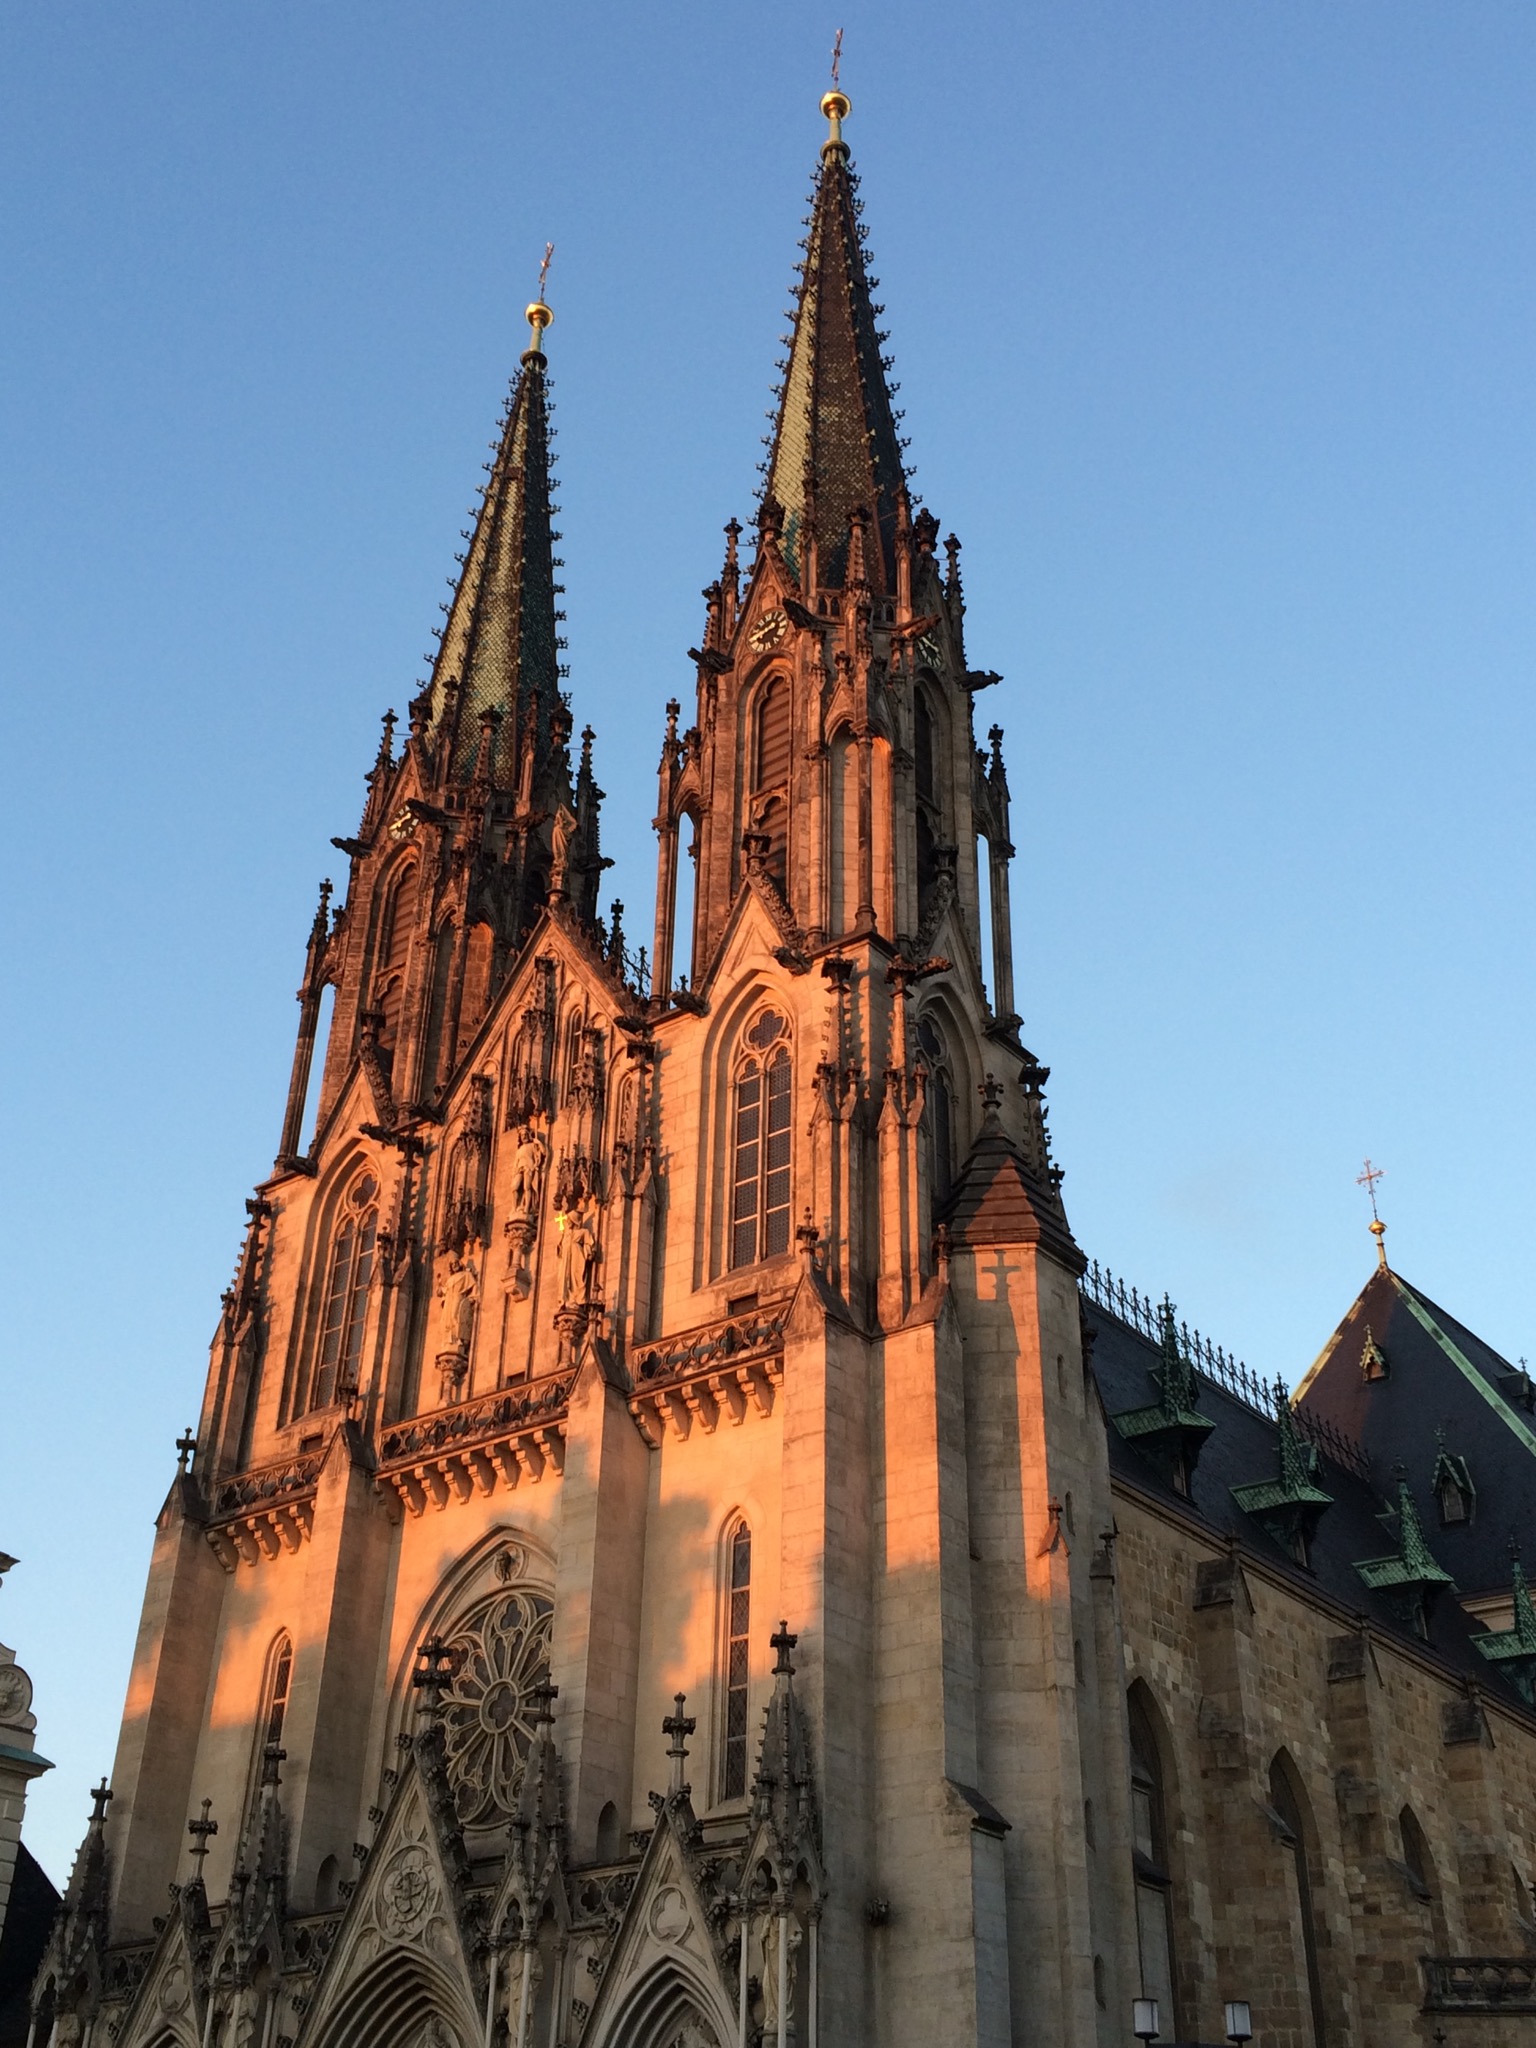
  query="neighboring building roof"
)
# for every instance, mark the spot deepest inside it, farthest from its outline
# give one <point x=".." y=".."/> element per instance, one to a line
<point x="29" y="1915"/>
<point x="1434" y="1387"/>
<point x="1243" y="1449"/>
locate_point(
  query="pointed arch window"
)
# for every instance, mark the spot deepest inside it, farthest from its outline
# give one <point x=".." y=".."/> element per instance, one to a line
<point x="923" y="751"/>
<point x="1285" y="1799"/>
<point x="1149" y="1846"/>
<point x="930" y="811"/>
<point x="736" y="1647"/>
<point x="345" y="1306"/>
<point x="760" y="1140"/>
<point x="271" y="1715"/>
<point x="938" y="1116"/>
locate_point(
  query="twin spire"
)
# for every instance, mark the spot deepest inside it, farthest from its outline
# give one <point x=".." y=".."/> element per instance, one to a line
<point x="835" y="451"/>
<point x="500" y="650"/>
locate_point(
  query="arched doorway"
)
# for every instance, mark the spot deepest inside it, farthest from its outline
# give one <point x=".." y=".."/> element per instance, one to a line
<point x="666" y="2011"/>
<point x="402" y="2002"/>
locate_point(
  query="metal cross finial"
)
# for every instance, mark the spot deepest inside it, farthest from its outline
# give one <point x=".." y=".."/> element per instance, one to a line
<point x="201" y="1831"/>
<point x="186" y="1444"/>
<point x="837" y="58"/>
<point x="1368" y="1180"/>
<point x="101" y="1798"/>
<point x="549" y="251"/>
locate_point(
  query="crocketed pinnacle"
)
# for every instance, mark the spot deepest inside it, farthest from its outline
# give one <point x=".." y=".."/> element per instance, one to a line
<point x="835" y="447"/>
<point x="500" y="644"/>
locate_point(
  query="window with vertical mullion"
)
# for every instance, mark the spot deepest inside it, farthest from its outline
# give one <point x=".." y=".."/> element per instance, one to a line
<point x="733" y="1774"/>
<point x="337" y="1304"/>
<point x="776" y="1160"/>
<point x="744" y="1201"/>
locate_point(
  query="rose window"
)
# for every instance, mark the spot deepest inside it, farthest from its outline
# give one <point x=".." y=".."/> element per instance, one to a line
<point x="501" y="1658"/>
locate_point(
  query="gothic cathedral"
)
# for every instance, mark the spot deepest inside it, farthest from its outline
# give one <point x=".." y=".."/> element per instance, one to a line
<point x="660" y="1563"/>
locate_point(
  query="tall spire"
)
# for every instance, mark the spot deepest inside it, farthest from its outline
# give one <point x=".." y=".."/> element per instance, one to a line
<point x="501" y="643"/>
<point x="835" y="447"/>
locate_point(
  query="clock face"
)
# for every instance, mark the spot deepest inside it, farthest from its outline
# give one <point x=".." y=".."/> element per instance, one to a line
<point x="769" y="630"/>
<point x="928" y="647"/>
<point x="402" y="826"/>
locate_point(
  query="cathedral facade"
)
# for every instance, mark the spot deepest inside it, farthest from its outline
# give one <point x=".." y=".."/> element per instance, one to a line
<point x="680" y="1549"/>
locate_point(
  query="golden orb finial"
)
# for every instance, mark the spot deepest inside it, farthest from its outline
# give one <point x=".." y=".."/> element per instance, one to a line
<point x="837" y="106"/>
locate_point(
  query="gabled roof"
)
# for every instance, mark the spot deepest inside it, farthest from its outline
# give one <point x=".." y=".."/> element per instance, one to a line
<point x="1435" y="1375"/>
<point x="835" y="445"/>
<point x="1244" y="1447"/>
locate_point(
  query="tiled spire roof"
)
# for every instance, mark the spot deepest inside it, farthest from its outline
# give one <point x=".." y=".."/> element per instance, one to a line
<point x="834" y="445"/>
<point x="501" y="642"/>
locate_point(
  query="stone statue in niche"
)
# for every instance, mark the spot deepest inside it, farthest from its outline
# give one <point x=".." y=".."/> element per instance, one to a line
<point x="459" y="1294"/>
<point x="578" y="1253"/>
<point x="779" y="1930"/>
<point x="562" y="832"/>
<point x="528" y="1163"/>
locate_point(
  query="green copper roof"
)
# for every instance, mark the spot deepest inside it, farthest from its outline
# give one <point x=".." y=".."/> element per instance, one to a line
<point x="1174" y="1411"/>
<point x="1411" y="1565"/>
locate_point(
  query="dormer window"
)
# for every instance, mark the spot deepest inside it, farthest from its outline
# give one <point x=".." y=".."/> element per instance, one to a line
<point x="1373" y="1360"/>
<point x="1455" y="1495"/>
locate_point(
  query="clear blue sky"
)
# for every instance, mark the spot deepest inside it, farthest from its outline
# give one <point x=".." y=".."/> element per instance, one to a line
<point x="1215" y="326"/>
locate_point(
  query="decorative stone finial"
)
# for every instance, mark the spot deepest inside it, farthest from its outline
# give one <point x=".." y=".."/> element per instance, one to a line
<point x="679" y="1726"/>
<point x="202" y="1831"/>
<point x="435" y="1666"/>
<point x="781" y="1642"/>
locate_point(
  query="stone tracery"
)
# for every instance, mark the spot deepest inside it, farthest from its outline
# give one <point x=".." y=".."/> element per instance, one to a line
<point x="501" y="1659"/>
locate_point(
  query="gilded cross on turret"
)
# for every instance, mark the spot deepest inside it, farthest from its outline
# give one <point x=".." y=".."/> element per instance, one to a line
<point x="538" y="314"/>
<point x="836" y="104"/>
<point x="1368" y="1180"/>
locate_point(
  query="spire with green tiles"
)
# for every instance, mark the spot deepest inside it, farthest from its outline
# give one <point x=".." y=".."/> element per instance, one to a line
<point x="1170" y="1431"/>
<point x="1410" y="1577"/>
<point x="1513" y="1650"/>
<point x="1291" y="1506"/>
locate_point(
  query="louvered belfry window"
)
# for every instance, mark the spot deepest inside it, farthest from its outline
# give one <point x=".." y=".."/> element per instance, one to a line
<point x="761" y="1146"/>
<point x="770" y="779"/>
<point x="738" y="1623"/>
<point x="346" y="1295"/>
